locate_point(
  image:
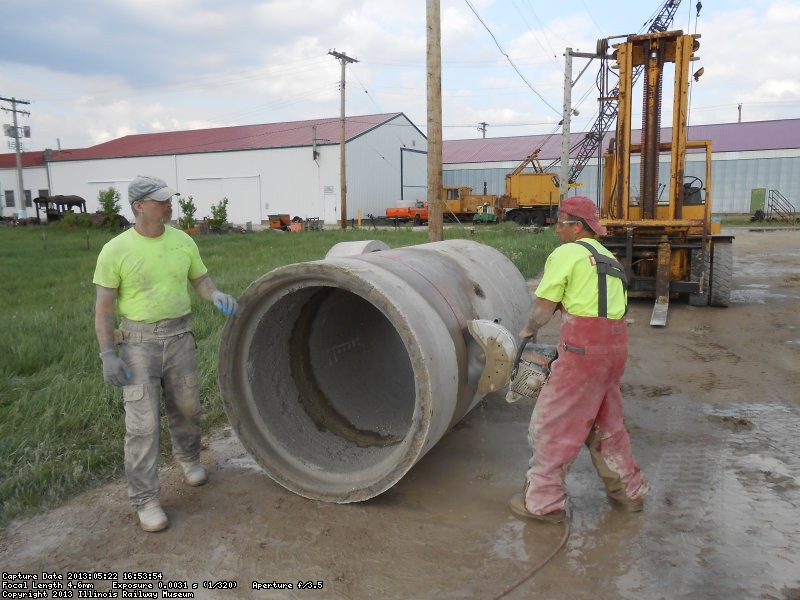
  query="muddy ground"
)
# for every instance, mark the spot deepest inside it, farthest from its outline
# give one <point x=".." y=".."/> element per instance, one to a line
<point x="713" y="406"/>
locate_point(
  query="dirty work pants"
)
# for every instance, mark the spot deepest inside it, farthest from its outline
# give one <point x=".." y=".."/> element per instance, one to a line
<point x="581" y="403"/>
<point x="160" y="355"/>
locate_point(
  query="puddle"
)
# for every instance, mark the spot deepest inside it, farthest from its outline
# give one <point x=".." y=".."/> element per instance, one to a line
<point x="722" y="520"/>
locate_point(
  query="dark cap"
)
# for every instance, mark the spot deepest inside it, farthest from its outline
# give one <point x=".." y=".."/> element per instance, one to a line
<point x="583" y="208"/>
<point x="143" y="187"/>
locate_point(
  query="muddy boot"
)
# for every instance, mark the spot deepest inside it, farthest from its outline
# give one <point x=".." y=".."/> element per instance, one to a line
<point x="152" y="517"/>
<point x="625" y="504"/>
<point x="194" y="473"/>
<point x="517" y="505"/>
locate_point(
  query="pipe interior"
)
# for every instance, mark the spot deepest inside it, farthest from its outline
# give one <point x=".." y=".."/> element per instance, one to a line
<point x="331" y="381"/>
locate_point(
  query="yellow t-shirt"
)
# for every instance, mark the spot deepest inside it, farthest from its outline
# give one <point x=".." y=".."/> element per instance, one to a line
<point x="150" y="274"/>
<point x="570" y="277"/>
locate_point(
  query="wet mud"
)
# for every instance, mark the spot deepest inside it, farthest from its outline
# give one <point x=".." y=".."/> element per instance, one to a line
<point x="713" y="409"/>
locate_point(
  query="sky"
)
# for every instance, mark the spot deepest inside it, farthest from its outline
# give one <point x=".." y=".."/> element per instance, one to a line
<point x="96" y="70"/>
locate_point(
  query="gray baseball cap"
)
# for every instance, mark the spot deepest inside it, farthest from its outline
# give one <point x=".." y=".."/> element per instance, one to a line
<point x="143" y="186"/>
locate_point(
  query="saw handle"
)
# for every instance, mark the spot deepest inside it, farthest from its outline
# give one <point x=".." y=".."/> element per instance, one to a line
<point x="522" y="343"/>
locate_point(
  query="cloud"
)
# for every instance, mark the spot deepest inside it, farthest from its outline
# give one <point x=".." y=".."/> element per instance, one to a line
<point x="93" y="69"/>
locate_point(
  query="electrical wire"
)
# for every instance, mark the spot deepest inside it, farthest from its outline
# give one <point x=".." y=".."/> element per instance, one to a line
<point x="503" y="52"/>
<point x="524" y="20"/>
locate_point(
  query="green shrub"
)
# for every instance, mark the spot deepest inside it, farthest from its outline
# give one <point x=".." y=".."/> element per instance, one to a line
<point x="219" y="216"/>
<point x="187" y="220"/>
<point x="110" y="207"/>
<point x="72" y="220"/>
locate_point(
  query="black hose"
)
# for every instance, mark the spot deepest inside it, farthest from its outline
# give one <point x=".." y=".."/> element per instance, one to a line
<point x="530" y="573"/>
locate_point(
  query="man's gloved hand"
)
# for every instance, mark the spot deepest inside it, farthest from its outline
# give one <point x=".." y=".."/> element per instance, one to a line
<point x="115" y="371"/>
<point x="225" y="302"/>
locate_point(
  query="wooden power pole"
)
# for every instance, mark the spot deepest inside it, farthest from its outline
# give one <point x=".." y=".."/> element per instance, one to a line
<point x="434" y="61"/>
<point x="344" y="59"/>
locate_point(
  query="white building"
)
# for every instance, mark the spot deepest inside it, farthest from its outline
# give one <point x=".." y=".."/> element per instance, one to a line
<point x="278" y="168"/>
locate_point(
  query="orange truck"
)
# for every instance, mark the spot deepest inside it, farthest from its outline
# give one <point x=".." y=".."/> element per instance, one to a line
<point x="411" y="210"/>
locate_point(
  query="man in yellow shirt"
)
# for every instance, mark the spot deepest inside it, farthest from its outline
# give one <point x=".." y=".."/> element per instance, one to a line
<point x="143" y="274"/>
<point x="581" y="401"/>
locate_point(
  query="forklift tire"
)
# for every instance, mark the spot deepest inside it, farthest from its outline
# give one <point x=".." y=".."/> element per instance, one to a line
<point x="721" y="274"/>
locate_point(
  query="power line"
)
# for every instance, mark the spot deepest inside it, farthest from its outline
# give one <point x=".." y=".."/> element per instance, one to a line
<point x="503" y="52"/>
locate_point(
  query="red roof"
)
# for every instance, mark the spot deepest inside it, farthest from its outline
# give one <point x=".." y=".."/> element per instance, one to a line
<point x="725" y="137"/>
<point x="29" y="159"/>
<point x="227" y="139"/>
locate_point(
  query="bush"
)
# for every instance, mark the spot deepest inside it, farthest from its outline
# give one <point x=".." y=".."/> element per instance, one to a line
<point x="219" y="216"/>
<point x="110" y="207"/>
<point x="72" y="220"/>
<point x="187" y="220"/>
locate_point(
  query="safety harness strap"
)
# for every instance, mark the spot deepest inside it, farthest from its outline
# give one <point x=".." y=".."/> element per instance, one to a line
<point x="605" y="266"/>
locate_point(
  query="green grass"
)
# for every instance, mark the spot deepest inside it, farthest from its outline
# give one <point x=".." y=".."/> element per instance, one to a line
<point x="61" y="428"/>
<point x="744" y="221"/>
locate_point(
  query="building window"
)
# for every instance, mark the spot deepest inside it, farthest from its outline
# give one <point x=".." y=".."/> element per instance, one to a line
<point x="44" y="193"/>
<point x="28" y="200"/>
<point x="10" y="198"/>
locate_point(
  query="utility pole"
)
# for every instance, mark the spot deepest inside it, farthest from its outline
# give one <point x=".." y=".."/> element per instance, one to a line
<point x="565" y="126"/>
<point x="344" y="59"/>
<point x="740" y="112"/>
<point x="482" y="128"/>
<point x="14" y="111"/>
<point x="566" y="117"/>
<point x="434" y="84"/>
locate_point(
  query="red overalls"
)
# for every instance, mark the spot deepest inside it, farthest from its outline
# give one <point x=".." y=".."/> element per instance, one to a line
<point x="581" y="402"/>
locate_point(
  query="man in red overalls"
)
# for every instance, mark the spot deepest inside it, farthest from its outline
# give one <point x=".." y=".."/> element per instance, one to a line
<point x="581" y="402"/>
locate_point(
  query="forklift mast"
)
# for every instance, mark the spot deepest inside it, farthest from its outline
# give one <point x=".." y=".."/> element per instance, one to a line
<point x="651" y="51"/>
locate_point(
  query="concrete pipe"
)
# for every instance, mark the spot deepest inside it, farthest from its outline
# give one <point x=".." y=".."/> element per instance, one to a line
<point x="339" y="375"/>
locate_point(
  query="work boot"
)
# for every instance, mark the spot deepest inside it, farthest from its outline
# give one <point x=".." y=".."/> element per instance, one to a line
<point x="626" y="504"/>
<point x="152" y="517"/>
<point x="194" y="473"/>
<point x="517" y="505"/>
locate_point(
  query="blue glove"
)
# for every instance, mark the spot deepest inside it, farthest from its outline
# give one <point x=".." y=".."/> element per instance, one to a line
<point x="115" y="371"/>
<point x="226" y="303"/>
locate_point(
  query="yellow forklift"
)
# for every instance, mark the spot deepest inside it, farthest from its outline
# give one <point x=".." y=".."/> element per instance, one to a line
<point x="669" y="244"/>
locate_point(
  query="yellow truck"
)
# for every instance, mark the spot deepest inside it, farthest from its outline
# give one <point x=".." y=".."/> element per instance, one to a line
<point x="532" y="195"/>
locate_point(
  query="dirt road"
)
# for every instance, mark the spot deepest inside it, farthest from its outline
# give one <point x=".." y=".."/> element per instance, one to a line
<point x="713" y="406"/>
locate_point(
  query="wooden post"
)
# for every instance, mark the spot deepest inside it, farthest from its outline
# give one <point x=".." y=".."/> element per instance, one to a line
<point x="434" y="62"/>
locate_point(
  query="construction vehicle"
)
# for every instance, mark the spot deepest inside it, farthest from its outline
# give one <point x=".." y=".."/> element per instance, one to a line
<point x="669" y="246"/>
<point x="587" y="147"/>
<point x="458" y="203"/>
<point x="411" y="210"/>
<point x="531" y="196"/>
